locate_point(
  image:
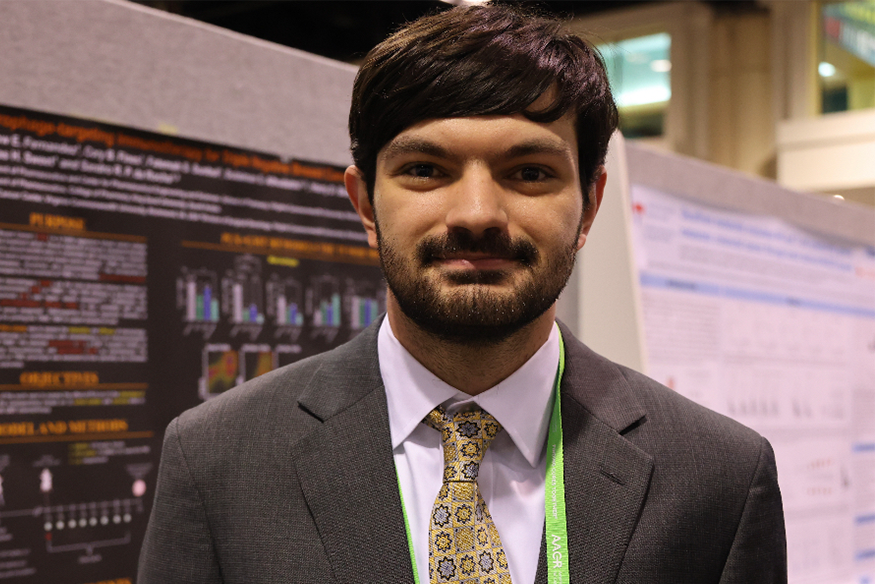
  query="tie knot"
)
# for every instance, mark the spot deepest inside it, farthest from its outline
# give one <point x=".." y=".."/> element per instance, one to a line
<point x="465" y="436"/>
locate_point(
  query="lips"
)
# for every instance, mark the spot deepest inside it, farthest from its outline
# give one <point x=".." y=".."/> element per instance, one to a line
<point x="476" y="262"/>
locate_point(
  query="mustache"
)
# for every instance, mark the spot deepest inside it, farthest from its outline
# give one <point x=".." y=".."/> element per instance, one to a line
<point x="495" y="244"/>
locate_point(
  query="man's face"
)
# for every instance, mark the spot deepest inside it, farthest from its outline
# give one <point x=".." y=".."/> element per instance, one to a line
<point x="477" y="221"/>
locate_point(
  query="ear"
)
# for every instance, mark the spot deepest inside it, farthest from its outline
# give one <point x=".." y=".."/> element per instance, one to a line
<point x="358" y="195"/>
<point x="595" y="200"/>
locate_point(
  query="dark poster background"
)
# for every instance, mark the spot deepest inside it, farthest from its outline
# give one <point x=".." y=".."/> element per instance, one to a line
<point x="140" y="275"/>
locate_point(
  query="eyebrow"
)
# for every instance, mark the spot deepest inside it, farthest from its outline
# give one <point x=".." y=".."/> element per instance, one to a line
<point x="408" y="145"/>
<point x="538" y="147"/>
<point x="405" y="145"/>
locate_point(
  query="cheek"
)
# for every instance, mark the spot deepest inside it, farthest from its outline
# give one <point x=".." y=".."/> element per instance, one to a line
<point x="400" y="227"/>
<point x="408" y="217"/>
<point x="548" y="222"/>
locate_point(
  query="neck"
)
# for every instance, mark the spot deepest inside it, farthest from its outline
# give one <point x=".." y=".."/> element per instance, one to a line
<point x="469" y="368"/>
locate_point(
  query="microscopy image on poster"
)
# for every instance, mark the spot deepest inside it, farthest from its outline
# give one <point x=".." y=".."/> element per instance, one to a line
<point x="773" y="326"/>
<point x="140" y="275"/>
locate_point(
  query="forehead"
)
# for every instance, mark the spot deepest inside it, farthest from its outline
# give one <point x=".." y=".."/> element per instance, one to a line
<point x="485" y="136"/>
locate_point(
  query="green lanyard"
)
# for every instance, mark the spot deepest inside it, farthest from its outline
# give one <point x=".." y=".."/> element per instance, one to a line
<point x="554" y="489"/>
<point x="554" y="494"/>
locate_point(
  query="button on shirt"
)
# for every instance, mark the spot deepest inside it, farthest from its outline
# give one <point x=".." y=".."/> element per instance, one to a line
<point x="511" y="476"/>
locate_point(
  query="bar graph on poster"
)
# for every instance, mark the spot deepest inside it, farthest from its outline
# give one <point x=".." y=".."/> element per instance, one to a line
<point x="775" y="327"/>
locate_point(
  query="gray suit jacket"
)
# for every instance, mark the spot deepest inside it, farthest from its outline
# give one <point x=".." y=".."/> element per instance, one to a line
<point x="290" y="478"/>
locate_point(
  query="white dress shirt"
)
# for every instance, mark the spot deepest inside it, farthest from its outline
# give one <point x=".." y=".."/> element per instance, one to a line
<point x="511" y="477"/>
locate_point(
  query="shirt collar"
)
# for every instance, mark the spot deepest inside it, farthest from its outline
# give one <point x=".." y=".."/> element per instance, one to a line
<point x="521" y="403"/>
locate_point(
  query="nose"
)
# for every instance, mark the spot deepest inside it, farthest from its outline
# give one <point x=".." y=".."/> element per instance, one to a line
<point x="476" y="203"/>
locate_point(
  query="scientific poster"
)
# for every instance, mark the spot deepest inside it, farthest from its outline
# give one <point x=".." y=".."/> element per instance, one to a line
<point x="140" y="275"/>
<point x="773" y="326"/>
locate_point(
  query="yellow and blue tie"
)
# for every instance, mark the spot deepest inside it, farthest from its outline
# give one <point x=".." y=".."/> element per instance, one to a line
<point x="463" y="542"/>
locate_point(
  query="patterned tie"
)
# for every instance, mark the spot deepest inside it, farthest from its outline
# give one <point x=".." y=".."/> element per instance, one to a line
<point x="463" y="542"/>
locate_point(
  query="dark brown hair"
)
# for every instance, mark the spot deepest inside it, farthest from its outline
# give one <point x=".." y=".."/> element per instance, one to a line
<point x="481" y="60"/>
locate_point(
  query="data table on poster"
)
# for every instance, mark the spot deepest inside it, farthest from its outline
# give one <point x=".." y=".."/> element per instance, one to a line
<point x="773" y="326"/>
<point x="141" y="274"/>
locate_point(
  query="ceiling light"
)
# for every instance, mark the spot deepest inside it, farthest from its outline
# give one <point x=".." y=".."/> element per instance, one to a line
<point x="826" y="69"/>
<point x="660" y="65"/>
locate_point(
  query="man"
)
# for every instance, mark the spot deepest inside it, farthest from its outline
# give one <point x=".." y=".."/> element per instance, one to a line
<point x="479" y="137"/>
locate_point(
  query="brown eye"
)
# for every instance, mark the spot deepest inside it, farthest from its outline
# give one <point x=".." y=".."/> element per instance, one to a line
<point x="532" y="174"/>
<point x="421" y="170"/>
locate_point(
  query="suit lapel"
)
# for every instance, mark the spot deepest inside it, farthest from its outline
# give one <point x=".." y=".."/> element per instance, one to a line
<point x="347" y="473"/>
<point x="346" y="469"/>
<point x="606" y="476"/>
<point x="606" y="484"/>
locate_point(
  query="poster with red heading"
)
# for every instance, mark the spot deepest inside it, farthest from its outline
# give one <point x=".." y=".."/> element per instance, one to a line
<point x="140" y="275"/>
<point x="774" y="326"/>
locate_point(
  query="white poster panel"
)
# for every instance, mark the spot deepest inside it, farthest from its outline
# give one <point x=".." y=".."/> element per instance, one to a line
<point x="773" y="326"/>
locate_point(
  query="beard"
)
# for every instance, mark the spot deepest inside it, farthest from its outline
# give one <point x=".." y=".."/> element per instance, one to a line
<point x="466" y="306"/>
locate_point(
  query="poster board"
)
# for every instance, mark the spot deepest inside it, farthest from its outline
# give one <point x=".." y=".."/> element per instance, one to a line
<point x="141" y="275"/>
<point x="126" y="64"/>
<point x="759" y="303"/>
<point x="135" y="68"/>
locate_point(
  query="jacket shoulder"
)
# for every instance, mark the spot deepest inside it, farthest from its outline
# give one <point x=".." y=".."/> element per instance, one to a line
<point x="287" y="402"/>
<point x="642" y="409"/>
<point x="680" y="419"/>
<point x="676" y="432"/>
<point x="257" y="400"/>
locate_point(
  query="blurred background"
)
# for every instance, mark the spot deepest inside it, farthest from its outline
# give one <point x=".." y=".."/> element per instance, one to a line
<point x="345" y="30"/>
<point x="776" y="88"/>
